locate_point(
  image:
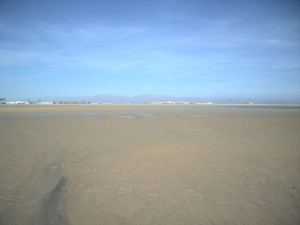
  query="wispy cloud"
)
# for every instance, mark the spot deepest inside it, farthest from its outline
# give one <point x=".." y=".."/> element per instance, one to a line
<point x="88" y="32"/>
<point x="215" y="54"/>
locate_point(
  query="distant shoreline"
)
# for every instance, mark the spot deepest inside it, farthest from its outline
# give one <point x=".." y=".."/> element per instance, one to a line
<point x="95" y="106"/>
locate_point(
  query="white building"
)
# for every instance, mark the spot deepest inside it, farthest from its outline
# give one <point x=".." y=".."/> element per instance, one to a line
<point x="45" y="103"/>
<point x="17" y="103"/>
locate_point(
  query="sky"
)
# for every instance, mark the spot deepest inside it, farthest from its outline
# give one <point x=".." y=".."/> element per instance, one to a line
<point x="231" y="49"/>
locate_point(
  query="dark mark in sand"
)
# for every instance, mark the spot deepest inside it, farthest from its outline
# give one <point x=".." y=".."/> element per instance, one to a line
<point x="53" y="207"/>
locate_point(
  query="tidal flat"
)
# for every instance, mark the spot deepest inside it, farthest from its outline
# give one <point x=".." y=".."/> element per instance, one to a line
<point x="149" y="164"/>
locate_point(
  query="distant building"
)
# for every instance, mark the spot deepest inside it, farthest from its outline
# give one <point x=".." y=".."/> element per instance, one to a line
<point x="18" y="103"/>
<point x="181" y="103"/>
<point x="45" y="103"/>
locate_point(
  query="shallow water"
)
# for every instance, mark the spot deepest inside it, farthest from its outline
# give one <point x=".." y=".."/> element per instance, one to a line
<point x="143" y="111"/>
<point x="265" y="107"/>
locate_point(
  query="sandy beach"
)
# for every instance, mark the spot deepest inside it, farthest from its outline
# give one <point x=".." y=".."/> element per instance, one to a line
<point x="149" y="164"/>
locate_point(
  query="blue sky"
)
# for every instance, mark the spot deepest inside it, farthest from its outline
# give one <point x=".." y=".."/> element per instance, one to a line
<point x="207" y="49"/>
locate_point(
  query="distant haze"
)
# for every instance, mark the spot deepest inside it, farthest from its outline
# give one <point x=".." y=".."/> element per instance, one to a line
<point x="145" y="99"/>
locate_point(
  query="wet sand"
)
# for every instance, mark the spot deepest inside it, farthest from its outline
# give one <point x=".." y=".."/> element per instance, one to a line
<point x="149" y="164"/>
